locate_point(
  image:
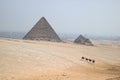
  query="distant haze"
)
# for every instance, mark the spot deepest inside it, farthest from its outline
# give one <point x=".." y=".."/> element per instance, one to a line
<point x="93" y="17"/>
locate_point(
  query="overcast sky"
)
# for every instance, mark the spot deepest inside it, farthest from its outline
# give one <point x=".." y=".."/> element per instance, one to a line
<point x="99" y="17"/>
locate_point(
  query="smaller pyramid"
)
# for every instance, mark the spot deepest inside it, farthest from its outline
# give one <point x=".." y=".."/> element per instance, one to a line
<point x="84" y="41"/>
<point x="42" y="30"/>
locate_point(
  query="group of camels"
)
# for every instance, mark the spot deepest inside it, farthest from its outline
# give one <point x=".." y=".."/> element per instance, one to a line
<point x="88" y="60"/>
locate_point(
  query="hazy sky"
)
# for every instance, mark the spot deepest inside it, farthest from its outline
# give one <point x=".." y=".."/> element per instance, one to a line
<point x="101" y="17"/>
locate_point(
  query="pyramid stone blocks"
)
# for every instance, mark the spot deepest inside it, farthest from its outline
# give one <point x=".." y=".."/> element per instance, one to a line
<point x="42" y="31"/>
<point x="84" y="41"/>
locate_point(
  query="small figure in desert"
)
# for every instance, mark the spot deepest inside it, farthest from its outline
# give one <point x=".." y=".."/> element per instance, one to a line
<point x="89" y="60"/>
<point x="93" y="61"/>
<point x="83" y="57"/>
<point x="86" y="59"/>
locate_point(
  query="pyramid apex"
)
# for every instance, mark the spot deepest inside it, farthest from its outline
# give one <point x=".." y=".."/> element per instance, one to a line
<point x="42" y="17"/>
<point x="81" y="35"/>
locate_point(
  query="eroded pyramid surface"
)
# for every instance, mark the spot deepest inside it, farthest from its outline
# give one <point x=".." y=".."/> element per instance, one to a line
<point x="42" y="30"/>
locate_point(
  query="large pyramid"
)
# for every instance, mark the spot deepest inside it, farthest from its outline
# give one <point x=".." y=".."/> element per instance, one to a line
<point x="84" y="41"/>
<point x="42" y="31"/>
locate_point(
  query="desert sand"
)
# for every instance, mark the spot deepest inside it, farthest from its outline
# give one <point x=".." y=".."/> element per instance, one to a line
<point x="42" y="60"/>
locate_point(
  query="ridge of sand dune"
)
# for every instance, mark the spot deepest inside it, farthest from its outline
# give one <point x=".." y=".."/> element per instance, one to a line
<point x="42" y="60"/>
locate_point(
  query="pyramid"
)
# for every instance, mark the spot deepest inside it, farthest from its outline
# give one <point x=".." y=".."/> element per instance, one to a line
<point x="84" y="41"/>
<point x="42" y="31"/>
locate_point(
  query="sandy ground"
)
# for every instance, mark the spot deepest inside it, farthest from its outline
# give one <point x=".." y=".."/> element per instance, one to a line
<point x="42" y="60"/>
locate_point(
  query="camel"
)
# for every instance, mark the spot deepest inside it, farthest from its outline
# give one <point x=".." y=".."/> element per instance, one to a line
<point x="83" y="57"/>
<point x="86" y="59"/>
<point x="93" y="61"/>
<point x="89" y="60"/>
